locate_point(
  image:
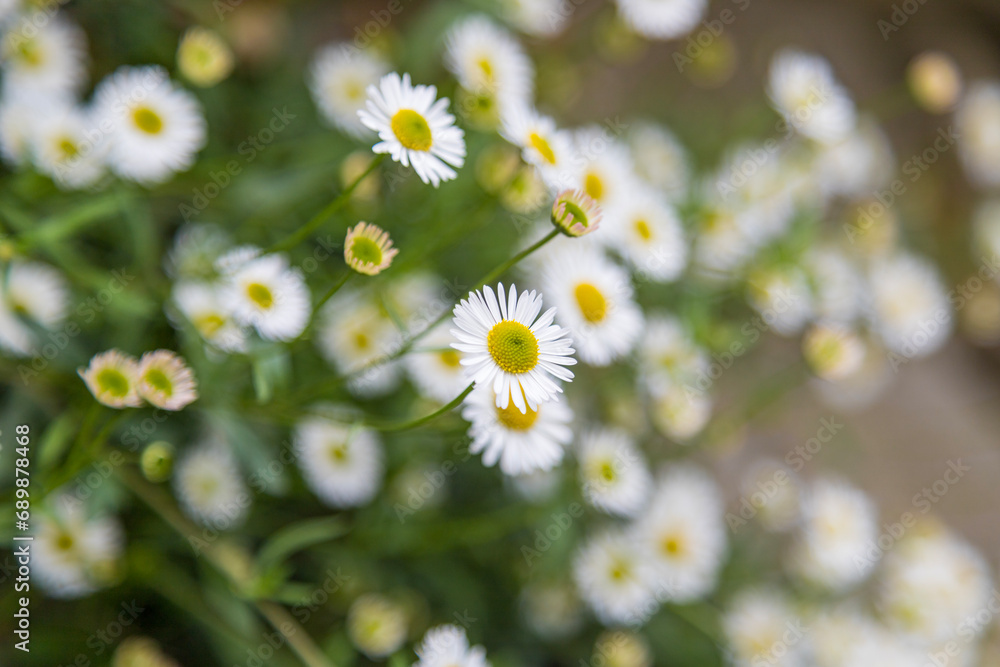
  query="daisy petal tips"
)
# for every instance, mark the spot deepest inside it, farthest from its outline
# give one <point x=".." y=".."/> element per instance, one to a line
<point x="507" y="345"/>
<point x="415" y="128"/>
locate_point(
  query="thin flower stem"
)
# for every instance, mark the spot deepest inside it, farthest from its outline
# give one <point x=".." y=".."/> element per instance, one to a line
<point x="305" y="230"/>
<point x="490" y="277"/>
<point x="405" y="426"/>
<point x="300" y="642"/>
<point x="322" y="302"/>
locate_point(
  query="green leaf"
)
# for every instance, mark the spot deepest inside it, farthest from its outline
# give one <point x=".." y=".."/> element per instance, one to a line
<point x="271" y="370"/>
<point x="298" y="536"/>
<point x="55" y="440"/>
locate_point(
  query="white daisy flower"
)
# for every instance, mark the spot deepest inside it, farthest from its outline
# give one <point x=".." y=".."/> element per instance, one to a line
<point x="376" y="625"/>
<point x="660" y="159"/>
<point x="650" y="236"/>
<point x="783" y="298"/>
<point x="833" y="351"/>
<point x="680" y="413"/>
<point x="548" y="148"/>
<point x="340" y="463"/>
<point x="487" y="60"/>
<point x="66" y="147"/>
<point x="622" y="648"/>
<point x="523" y="442"/>
<point x="603" y="170"/>
<point x="861" y="163"/>
<point x="834" y="633"/>
<point x="838" y="285"/>
<point x="166" y="381"/>
<point x="447" y="646"/>
<point x="194" y="251"/>
<point x="593" y="298"/>
<point x="978" y="120"/>
<point x="271" y="297"/>
<point x="668" y="358"/>
<point x="368" y="249"/>
<point x="839" y="526"/>
<point x="154" y="129"/>
<point x="511" y="348"/>
<point x="203" y="57"/>
<point x="210" y="487"/>
<point x="613" y="474"/>
<point x="73" y="555"/>
<point x="338" y="78"/>
<point x="113" y="378"/>
<point x="614" y="577"/>
<point x="352" y="333"/>
<point x="207" y="308"/>
<point x="435" y="367"/>
<point x="722" y="244"/>
<point x="31" y="295"/>
<point x="50" y="59"/>
<point x="414" y="128"/>
<point x="662" y="19"/>
<point x="805" y="91"/>
<point x="20" y="112"/>
<point x="684" y="533"/>
<point x="541" y="18"/>
<point x="764" y="629"/>
<point x="910" y="306"/>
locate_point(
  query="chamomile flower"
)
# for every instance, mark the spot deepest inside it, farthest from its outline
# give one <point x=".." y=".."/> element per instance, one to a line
<point x="613" y="474"/>
<point x="154" y="128"/>
<point x="782" y="296"/>
<point x="113" y="379"/>
<point x="49" y="59"/>
<point x="684" y="534"/>
<point x="840" y="524"/>
<point x="838" y="285"/>
<point x="203" y="57"/>
<point x="73" y="555"/>
<point x="604" y="170"/>
<point x="376" y="625"/>
<point x="270" y="296"/>
<point x="338" y="78"/>
<point x="593" y="298"/>
<point x="613" y="577"/>
<point x="660" y="160"/>
<point x="194" y="251"/>
<point x="662" y="19"/>
<point x="668" y="358"/>
<point x="510" y="348"/>
<point x="978" y="120"/>
<point x="650" y="236"/>
<point x="209" y="486"/>
<point x="368" y="249"/>
<point x="542" y="144"/>
<point x="575" y="213"/>
<point x="833" y="351"/>
<point x="166" y="381"/>
<point x="32" y="295"/>
<point x="764" y="629"/>
<point x="487" y="60"/>
<point x="447" y="646"/>
<point x="341" y="464"/>
<point x="207" y="308"/>
<point x="435" y="367"/>
<point x="414" y="128"/>
<point x="680" y="413"/>
<point x="910" y="306"/>
<point x="66" y="147"/>
<point x="803" y="89"/>
<point x="522" y="442"/>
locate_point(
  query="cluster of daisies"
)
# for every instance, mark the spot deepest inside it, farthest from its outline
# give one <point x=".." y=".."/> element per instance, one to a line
<point x="160" y="378"/>
<point x="139" y="125"/>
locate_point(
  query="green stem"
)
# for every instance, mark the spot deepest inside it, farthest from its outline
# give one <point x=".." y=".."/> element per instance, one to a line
<point x="405" y="426"/>
<point x="322" y="302"/>
<point x="305" y="230"/>
<point x="503" y="268"/>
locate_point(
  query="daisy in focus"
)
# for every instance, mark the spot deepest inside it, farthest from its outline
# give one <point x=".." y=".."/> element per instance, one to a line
<point x="341" y="464"/>
<point x="575" y="213"/>
<point x="447" y="646"/>
<point x="155" y="129"/>
<point x="593" y="298"/>
<point x="510" y="348"/>
<point x="338" y="79"/>
<point x="113" y="379"/>
<point x="368" y="249"/>
<point x="166" y="381"/>
<point x="522" y="442"/>
<point x="415" y="128"/>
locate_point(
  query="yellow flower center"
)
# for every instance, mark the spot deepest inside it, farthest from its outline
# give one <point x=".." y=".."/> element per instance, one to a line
<point x="260" y="295"/>
<point x="354" y="90"/>
<point x="361" y="340"/>
<point x="592" y="303"/>
<point x="620" y="570"/>
<point x="209" y="324"/>
<point x="512" y="418"/>
<point x="593" y="185"/>
<point x="607" y="471"/>
<point x="451" y="358"/>
<point x="147" y="120"/>
<point x="643" y="230"/>
<point x="541" y="145"/>
<point x="486" y="67"/>
<point x="672" y="545"/>
<point x="64" y="542"/>
<point x="412" y="130"/>
<point x="366" y="251"/>
<point x="27" y="51"/>
<point x="68" y="148"/>
<point x="513" y="346"/>
<point x="338" y="452"/>
<point x="159" y="380"/>
<point x="112" y="381"/>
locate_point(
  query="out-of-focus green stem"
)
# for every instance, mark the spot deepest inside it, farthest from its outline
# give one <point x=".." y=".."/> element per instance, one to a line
<point x="405" y="426"/>
<point x="339" y="201"/>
